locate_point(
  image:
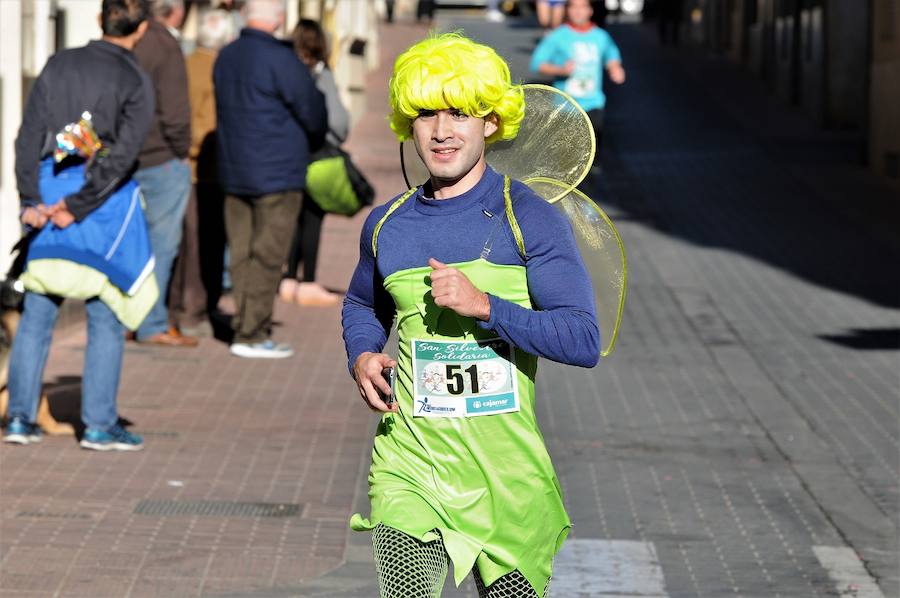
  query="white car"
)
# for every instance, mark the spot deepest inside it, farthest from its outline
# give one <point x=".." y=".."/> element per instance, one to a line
<point x="628" y="7"/>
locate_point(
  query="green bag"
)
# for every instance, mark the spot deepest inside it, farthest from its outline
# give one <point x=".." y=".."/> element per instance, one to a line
<point x="335" y="184"/>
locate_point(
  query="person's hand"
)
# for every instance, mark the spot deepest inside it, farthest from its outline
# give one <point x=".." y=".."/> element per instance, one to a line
<point x="35" y="217"/>
<point x="367" y="373"/>
<point x="616" y="72"/>
<point x="60" y="215"/>
<point x="551" y="70"/>
<point x="452" y="289"/>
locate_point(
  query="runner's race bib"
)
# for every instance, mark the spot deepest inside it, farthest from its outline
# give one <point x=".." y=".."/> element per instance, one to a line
<point x="581" y="87"/>
<point x="586" y="78"/>
<point x="464" y="378"/>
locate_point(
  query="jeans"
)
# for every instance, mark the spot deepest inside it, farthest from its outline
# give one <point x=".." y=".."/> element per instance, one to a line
<point x="166" y="189"/>
<point x="102" y="362"/>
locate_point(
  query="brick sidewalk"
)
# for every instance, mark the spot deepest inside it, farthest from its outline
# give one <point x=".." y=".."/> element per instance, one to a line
<point x="219" y="431"/>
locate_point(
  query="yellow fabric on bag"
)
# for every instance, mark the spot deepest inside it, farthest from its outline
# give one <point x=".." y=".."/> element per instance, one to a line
<point x="329" y="186"/>
<point x="76" y="281"/>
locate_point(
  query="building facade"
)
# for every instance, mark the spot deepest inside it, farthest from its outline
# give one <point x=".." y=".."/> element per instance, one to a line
<point x="838" y="60"/>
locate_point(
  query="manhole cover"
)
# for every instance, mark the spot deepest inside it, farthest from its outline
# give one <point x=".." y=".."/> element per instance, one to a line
<point x="211" y="508"/>
<point x="50" y="515"/>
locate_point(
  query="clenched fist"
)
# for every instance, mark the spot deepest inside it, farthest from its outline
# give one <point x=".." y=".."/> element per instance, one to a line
<point x="452" y="289"/>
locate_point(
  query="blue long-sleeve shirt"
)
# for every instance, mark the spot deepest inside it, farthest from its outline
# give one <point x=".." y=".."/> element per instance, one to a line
<point x="563" y="324"/>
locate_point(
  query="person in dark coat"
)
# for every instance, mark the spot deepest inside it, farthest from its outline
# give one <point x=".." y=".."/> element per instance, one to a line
<point x="269" y="117"/>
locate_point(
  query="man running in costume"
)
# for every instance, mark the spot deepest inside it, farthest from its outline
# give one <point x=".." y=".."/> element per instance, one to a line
<point x="482" y="277"/>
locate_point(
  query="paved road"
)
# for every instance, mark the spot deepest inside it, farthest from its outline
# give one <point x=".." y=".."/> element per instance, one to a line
<point x="742" y="441"/>
<point x="750" y="415"/>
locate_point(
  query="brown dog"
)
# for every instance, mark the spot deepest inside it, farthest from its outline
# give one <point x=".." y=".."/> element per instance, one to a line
<point x="9" y="321"/>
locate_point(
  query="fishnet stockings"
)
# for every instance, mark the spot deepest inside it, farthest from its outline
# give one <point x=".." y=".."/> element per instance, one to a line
<point x="406" y="566"/>
<point x="410" y="568"/>
<point x="511" y="585"/>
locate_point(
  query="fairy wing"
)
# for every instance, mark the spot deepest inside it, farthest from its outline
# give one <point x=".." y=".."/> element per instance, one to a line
<point x="603" y="253"/>
<point x="552" y="153"/>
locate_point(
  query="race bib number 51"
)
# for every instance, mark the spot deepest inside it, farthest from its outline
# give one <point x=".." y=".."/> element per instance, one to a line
<point x="464" y="378"/>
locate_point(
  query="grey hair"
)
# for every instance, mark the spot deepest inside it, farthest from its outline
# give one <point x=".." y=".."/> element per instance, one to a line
<point x="163" y="8"/>
<point x="215" y="29"/>
<point x="267" y="11"/>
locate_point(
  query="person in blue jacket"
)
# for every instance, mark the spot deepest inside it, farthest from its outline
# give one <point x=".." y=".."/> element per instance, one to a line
<point x="575" y="55"/>
<point x="269" y="117"/>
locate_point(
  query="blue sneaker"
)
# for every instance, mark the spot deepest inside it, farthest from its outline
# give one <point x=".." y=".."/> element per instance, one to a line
<point x="19" y="431"/>
<point x="116" y="438"/>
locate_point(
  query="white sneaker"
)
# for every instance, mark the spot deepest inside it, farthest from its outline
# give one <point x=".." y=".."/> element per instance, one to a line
<point x="495" y="16"/>
<point x="264" y="350"/>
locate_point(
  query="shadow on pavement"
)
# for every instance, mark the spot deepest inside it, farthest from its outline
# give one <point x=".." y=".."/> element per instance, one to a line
<point x="871" y="339"/>
<point x="699" y="150"/>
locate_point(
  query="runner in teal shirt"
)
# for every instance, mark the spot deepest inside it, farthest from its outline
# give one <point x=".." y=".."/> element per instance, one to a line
<point x="575" y="55"/>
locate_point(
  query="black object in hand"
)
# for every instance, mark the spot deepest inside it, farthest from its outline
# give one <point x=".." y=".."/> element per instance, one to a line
<point x="388" y="375"/>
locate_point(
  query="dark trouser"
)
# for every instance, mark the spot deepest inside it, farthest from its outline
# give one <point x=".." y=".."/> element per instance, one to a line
<point x="596" y="116"/>
<point x="211" y="235"/>
<point x="197" y="279"/>
<point x="259" y="235"/>
<point x="305" y="246"/>
<point x="425" y="10"/>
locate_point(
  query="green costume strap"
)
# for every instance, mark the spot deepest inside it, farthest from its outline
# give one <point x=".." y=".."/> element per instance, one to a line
<point x="511" y="217"/>
<point x="390" y="211"/>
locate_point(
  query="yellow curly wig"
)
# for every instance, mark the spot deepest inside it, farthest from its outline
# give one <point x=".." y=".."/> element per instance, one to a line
<point x="452" y="71"/>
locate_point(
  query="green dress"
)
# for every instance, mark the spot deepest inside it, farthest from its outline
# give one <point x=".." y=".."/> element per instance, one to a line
<point x="485" y="483"/>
